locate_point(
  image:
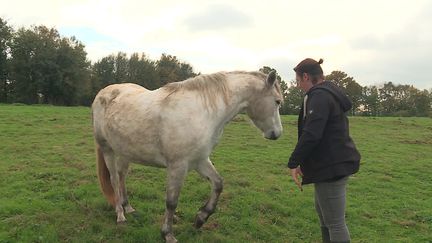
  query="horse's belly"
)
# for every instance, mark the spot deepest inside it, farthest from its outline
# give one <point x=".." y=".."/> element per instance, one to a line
<point x="153" y="163"/>
<point x="145" y="154"/>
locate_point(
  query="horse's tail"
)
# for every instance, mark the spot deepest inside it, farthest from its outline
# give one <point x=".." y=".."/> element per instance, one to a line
<point x="104" y="176"/>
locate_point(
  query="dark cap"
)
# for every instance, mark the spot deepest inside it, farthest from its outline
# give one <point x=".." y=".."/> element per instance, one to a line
<point x="309" y="66"/>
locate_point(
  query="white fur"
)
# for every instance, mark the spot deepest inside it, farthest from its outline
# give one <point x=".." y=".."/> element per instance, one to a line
<point x="179" y="129"/>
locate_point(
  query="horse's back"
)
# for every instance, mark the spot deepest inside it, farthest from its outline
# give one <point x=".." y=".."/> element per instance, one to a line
<point x="114" y="91"/>
<point x="117" y="98"/>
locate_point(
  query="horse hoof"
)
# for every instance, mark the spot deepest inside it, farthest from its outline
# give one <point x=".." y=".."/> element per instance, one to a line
<point x="121" y="220"/>
<point x="169" y="238"/>
<point x="129" y="209"/>
<point x="198" y="222"/>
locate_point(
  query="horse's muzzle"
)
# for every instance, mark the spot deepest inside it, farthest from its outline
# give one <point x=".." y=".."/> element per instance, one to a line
<point x="273" y="136"/>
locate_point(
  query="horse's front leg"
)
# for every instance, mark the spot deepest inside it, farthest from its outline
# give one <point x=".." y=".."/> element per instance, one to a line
<point x="176" y="175"/>
<point x="207" y="170"/>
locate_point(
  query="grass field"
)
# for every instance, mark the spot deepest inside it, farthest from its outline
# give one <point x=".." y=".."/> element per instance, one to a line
<point x="49" y="190"/>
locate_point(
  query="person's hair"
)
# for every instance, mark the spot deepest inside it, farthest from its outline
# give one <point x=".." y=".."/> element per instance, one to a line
<point x="311" y="67"/>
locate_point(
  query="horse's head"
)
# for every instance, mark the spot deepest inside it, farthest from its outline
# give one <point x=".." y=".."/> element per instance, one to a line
<point x="263" y="108"/>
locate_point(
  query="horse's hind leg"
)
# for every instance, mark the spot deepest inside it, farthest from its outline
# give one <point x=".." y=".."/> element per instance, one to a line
<point x="176" y="175"/>
<point x="111" y="162"/>
<point x="123" y="170"/>
<point x="207" y="170"/>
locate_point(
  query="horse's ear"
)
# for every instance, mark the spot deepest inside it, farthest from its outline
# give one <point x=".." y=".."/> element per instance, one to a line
<point x="271" y="78"/>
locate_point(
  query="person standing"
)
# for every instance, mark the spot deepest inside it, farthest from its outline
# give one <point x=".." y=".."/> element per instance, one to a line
<point x="325" y="154"/>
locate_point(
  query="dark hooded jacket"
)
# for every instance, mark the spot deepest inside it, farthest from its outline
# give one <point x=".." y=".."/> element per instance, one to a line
<point x="324" y="150"/>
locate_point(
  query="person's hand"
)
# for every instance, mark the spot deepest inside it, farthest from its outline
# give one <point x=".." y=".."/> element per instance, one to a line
<point x="295" y="173"/>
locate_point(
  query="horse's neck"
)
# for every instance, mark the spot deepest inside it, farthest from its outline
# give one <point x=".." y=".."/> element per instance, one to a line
<point x="240" y="89"/>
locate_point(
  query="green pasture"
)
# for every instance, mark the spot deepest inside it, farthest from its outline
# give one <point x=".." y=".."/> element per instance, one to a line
<point x="49" y="190"/>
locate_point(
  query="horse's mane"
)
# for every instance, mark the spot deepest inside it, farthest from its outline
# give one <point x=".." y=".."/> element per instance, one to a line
<point x="209" y="86"/>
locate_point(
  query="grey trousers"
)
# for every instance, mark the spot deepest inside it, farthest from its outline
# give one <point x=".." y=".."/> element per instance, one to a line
<point x="330" y="206"/>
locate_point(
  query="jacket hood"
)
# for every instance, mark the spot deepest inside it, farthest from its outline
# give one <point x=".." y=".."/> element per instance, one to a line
<point x="337" y="92"/>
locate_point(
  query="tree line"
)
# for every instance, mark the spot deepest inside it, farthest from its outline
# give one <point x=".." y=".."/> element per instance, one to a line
<point x="38" y="66"/>
<point x="387" y="100"/>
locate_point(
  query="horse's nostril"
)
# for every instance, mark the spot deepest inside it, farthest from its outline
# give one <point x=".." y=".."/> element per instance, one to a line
<point x="273" y="136"/>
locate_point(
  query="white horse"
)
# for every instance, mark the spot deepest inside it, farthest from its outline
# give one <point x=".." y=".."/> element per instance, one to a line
<point x="177" y="127"/>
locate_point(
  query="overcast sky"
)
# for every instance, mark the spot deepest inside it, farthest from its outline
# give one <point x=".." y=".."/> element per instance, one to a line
<point x="372" y="41"/>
